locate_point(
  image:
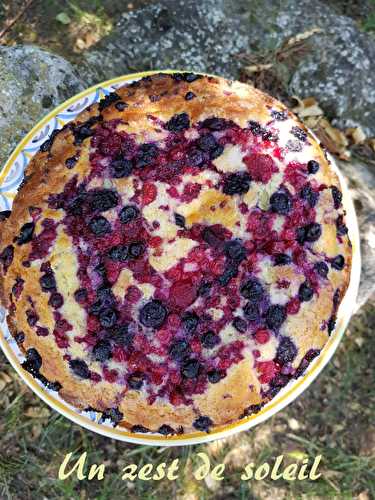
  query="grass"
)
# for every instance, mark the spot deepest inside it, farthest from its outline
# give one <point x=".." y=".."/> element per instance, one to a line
<point x="335" y="417"/>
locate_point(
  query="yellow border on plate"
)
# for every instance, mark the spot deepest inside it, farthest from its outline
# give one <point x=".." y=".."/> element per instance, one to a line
<point x="195" y="437"/>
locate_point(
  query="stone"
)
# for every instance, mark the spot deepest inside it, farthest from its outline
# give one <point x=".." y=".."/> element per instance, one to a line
<point x="173" y="34"/>
<point x="32" y="83"/>
<point x="338" y="68"/>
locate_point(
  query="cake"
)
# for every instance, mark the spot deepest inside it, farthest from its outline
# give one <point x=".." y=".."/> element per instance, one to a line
<point x="175" y="255"/>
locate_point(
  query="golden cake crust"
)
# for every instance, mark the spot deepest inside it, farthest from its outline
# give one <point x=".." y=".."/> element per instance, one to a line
<point x="150" y="104"/>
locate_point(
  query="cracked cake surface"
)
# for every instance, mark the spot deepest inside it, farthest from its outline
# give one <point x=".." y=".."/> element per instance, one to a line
<point x="175" y="255"/>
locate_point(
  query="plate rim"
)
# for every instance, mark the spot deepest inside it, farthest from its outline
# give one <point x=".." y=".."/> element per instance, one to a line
<point x="285" y="397"/>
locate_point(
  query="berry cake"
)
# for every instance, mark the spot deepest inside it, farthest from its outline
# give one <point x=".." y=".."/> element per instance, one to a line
<point x="176" y="255"/>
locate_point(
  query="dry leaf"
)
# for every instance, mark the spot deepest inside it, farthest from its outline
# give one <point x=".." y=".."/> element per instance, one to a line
<point x="307" y="107"/>
<point x="37" y="412"/>
<point x="356" y="134"/>
<point x="303" y="36"/>
<point x="363" y="496"/>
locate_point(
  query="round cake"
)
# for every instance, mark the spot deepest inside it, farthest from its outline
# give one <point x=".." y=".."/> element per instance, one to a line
<point x="175" y="255"/>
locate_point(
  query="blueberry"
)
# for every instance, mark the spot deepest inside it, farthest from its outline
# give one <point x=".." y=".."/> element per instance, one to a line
<point x="252" y="289"/>
<point x="300" y="235"/>
<point x="230" y="272"/>
<point x="33" y="362"/>
<point x="255" y="127"/>
<point x="121" y="105"/>
<point x="121" y="167"/>
<point x="189" y="96"/>
<point x="19" y="337"/>
<point x="203" y="423"/>
<point x="237" y="183"/>
<point x="209" y="145"/>
<point x="105" y="294"/>
<point x="279" y="115"/>
<point x="280" y="203"/>
<point x="179" y="349"/>
<point x="322" y="269"/>
<point x="79" y="368"/>
<point x="240" y="325"/>
<point x="209" y="339"/>
<point x="234" y="250"/>
<point x="153" y="314"/>
<point x="282" y="259"/>
<point x="6" y="257"/>
<point x="190" y="322"/>
<point x="146" y="155"/>
<point x="305" y="292"/>
<point x="95" y="308"/>
<point x="140" y="429"/>
<point x="187" y="77"/>
<point x="99" y="225"/>
<point x="178" y="123"/>
<point x="5" y="214"/>
<point x="214" y="376"/>
<point x="108" y="317"/>
<point x="275" y="316"/>
<point x="165" y="430"/>
<point x="341" y="227"/>
<point x="195" y="157"/>
<point x="75" y="206"/>
<point x="338" y="262"/>
<point x="251" y="311"/>
<point x="337" y="197"/>
<point x="313" y="166"/>
<point x="32" y="317"/>
<point x="70" y="162"/>
<point x="179" y="220"/>
<point x="121" y="335"/>
<point x="108" y="100"/>
<point x="210" y="236"/>
<point x="103" y="200"/>
<point x="47" y="282"/>
<point x="119" y="253"/>
<point x="102" y="350"/>
<point x="26" y="233"/>
<point x="204" y="289"/>
<point x="47" y="145"/>
<point x="331" y="324"/>
<point x="128" y="213"/>
<point x="308" y="194"/>
<point x="214" y="123"/>
<point x="310" y="233"/>
<point x="135" y="380"/>
<point x="136" y="249"/>
<point x="80" y="295"/>
<point x="190" y="368"/>
<point x="113" y="414"/>
<point x="299" y="133"/>
<point x="56" y="300"/>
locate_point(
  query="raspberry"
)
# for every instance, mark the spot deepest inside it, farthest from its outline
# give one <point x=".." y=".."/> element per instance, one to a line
<point x="149" y="193"/>
<point x="260" y="166"/>
<point x="262" y="336"/>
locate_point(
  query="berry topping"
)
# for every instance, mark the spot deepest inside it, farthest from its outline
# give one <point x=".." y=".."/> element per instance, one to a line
<point x="337" y="197"/>
<point x="208" y="144"/>
<point x="235" y="250"/>
<point x="165" y="430"/>
<point x="275" y="316"/>
<point x="121" y="167"/>
<point x="26" y="233"/>
<point x="6" y="257"/>
<point x="135" y="380"/>
<point x="120" y="106"/>
<point x="322" y="269"/>
<point x="214" y="376"/>
<point x="5" y="214"/>
<point x="286" y="351"/>
<point x="240" y="324"/>
<point x="308" y="194"/>
<point x="179" y="350"/>
<point x="56" y="300"/>
<point x="282" y="259"/>
<point x="70" y="162"/>
<point x="121" y="335"/>
<point x="103" y="200"/>
<point x="47" y="282"/>
<point x="190" y="368"/>
<point x="80" y="295"/>
<point x="102" y="350"/>
<point x="179" y="220"/>
<point x="203" y="424"/>
<point x="79" y="368"/>
<point x="136" y="249"/>
<point x="204" y="289"/>
<point x="341" y="227"/>
<point x="262" y="336"/>
<point x="251" y="311"/>
<point x="190" y="322"/>
<point x="178" y="123"/>
<point x="119" y="253"/>
<point x="99" y="225"/>
<point x="280" y="203"/>
<point x="305" y="292"/>
<point x="209" y="339"/>
<point x="252" y="290"/>
<point x="128" y="213"/>
<point x="331" y="324"/>
<point x="237" y="183"/>
<point x="108" y="100"/>
<point x="299" y="133"/>
<point x="189" y="96"/>
<point x="153" y="314"/>
<point x="146" y="155"/>
<point x="260" y="166"/>
<point x="108" y="317"/>
<point x="338" y="262"/>
<point x="310" y="233"/>
<point x="312" y="167"/>
<point x="33" y="361"/>
<point x="279" y="115"/>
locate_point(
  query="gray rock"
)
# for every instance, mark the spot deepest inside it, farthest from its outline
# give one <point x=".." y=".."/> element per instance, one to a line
<point x="361" y="182"/>
<point x="174" y="34"/>
<point x="32" y="83"/>
<point x="339" y="68"/>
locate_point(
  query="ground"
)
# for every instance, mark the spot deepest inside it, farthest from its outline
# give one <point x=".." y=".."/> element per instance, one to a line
<point x="335" y="417"/>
